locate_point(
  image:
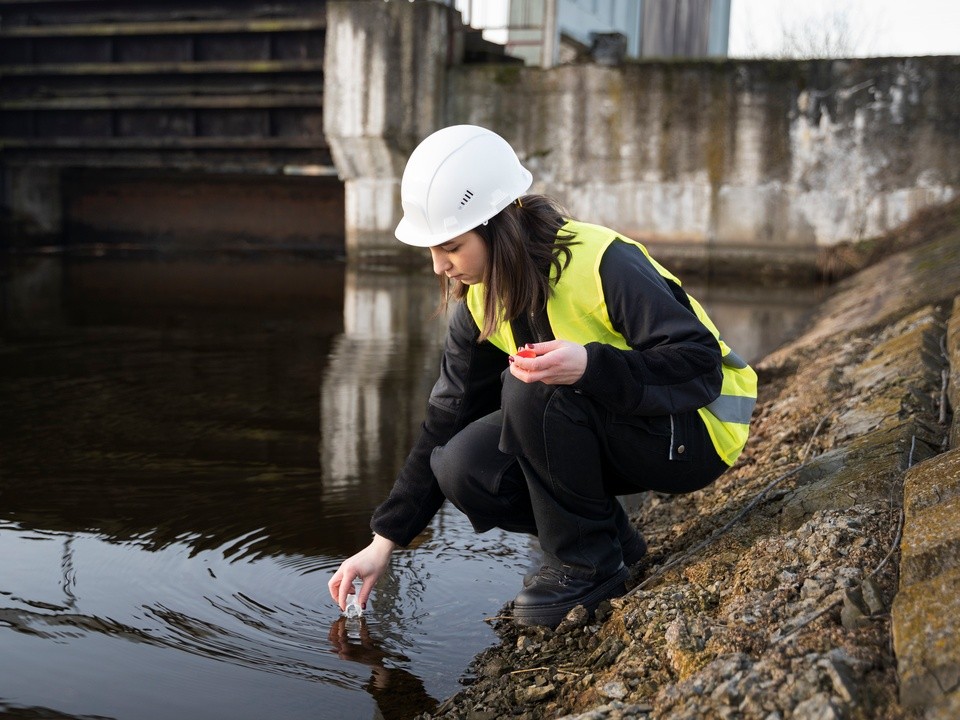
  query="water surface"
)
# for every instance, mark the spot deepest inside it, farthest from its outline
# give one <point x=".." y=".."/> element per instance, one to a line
<point x="188" y="449"/>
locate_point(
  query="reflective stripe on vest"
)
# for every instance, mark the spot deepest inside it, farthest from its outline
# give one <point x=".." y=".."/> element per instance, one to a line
<point x="732" y="408"/>
<point x="577" y="312"/>
<point x="728" y="417"/>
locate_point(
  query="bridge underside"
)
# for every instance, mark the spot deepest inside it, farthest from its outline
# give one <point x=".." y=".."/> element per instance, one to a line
<point x="222" y="103"/>
<point x="191" y="211"/>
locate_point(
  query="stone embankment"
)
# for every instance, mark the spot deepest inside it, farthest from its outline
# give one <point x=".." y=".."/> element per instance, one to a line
<point x="820" y="577"/>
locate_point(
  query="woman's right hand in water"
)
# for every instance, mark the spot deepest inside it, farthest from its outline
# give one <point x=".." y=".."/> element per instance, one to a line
<point x="368" y="565"/>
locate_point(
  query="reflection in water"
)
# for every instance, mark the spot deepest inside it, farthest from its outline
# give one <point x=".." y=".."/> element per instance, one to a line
<point x="188" y="448"/>
<point x="753" y="318"/>
<point x="394" y="689"/>
<point x="369" y="407"/>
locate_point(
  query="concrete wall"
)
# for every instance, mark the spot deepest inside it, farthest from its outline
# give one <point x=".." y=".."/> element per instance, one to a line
<point x="761" y="153"/>
<point x="779" y="158"/>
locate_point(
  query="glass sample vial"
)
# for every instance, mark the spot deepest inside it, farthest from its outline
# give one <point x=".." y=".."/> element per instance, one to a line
<point x="353" y="609"/>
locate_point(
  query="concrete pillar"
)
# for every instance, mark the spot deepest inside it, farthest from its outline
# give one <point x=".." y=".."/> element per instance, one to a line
<point x="384" y="87"/>
<point x="32" y="200"/>
<point x="32" y="297"/>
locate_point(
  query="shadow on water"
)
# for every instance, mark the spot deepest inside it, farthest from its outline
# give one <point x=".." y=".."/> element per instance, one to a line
<point x="188" y="448"/>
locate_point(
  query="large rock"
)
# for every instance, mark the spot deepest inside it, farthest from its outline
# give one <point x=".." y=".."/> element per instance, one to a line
<point x="926" y="612"/>
<point x="862" y="472"/>
<point x="953" y="355"/>
<point x="933" y="481"/>
<point x="926" y="625"/>
<point x="931" y="542"/>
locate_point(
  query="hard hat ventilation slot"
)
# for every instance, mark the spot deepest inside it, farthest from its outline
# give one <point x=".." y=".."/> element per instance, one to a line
<point x="465" y="199"/>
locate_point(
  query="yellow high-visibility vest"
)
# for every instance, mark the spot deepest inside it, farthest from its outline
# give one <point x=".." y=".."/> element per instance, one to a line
<point x="578" y="312"/>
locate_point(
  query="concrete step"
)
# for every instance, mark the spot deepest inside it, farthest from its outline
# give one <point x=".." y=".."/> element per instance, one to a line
<point x="477" y="49"/>
<point x="166" y="102"/>
<point x="229" y="67"/>
<point x="165" y="143"/>
<point x="65" y="12"/>
<point x="156" y="28"/>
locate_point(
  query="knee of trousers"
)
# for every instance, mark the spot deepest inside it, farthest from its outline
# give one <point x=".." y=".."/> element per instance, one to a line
<point x="454" y="465"/>
<point x="524" y="403"/>
<point x="446" y="470"/>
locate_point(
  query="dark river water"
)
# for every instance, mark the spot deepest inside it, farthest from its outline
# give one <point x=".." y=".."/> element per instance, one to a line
<point x="188" y="449"/>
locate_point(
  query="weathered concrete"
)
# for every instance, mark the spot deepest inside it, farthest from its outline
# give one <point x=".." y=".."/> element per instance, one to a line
<point x="932" y="483"/>
<point x="384" y="85"/>
<point x="881" y="295"/>
<point x="198" y="87"/>
<point x="931" y="542"/>
<point x="898" y="378"/>
<point x="779" y="154"/>
<point x="758" y="157"/>
<point x="863" y="471"/>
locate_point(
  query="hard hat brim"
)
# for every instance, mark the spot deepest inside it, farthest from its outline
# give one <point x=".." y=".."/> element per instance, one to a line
<point x="406" y="231"/>
<point x="408" y="235"/>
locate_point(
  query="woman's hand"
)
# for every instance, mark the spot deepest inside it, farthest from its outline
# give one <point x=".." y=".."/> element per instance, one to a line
<point x="368" y="565"/>
<point x="558" y="362"/>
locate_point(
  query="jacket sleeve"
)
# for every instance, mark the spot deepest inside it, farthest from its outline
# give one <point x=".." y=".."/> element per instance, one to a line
<point x="674" y="364"/>
<point x="468" y="388"/>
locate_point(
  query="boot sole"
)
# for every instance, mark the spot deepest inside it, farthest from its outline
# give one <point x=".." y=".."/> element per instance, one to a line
<point x="551" y="615"/>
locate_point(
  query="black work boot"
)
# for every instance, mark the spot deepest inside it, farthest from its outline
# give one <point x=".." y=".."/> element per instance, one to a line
<point x="634" y="548"/>
<point x="552" y="594"/>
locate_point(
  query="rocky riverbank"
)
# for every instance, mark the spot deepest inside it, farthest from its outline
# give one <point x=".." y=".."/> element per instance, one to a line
<point x="769" y="594"/>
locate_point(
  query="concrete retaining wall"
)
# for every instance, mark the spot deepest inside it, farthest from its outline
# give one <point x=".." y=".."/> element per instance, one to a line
<point x="755" y="156"/>
<point x="777" y="154"/>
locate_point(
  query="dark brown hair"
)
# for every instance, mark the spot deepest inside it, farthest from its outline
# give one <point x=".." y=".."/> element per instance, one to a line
<point x="524" y="242"/>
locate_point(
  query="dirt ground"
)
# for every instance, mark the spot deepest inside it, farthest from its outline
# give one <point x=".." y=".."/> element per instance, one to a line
<point x="766" y="595"/>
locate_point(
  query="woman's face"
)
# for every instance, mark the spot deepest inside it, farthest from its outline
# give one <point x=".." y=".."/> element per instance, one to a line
<point x="464" y="258"/>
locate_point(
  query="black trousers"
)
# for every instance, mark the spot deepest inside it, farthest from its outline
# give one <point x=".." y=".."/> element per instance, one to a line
<point x="551" y="462"/>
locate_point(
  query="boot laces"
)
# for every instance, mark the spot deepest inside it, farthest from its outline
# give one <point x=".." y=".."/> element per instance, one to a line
<point x="554" y="575"/>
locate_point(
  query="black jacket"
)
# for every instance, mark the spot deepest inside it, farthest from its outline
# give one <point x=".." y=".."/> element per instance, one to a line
<point x="674" y="366"/>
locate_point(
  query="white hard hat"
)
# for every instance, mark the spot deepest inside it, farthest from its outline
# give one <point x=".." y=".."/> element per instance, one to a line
<point x="456" y="179"/>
